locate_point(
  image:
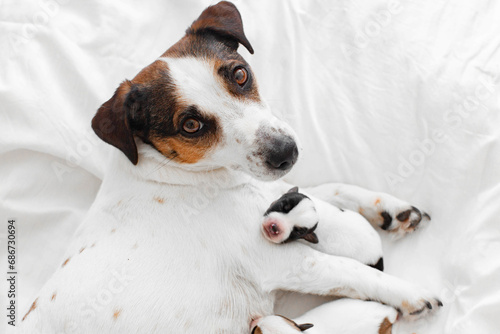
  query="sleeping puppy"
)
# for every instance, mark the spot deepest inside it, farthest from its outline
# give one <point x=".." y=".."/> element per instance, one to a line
<point x="294" y="217"/>
<point x="346" y="316"/>
<point x="291" y="217"/>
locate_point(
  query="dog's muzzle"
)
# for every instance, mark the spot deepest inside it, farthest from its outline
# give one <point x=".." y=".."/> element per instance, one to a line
<point x="280" y="153"/>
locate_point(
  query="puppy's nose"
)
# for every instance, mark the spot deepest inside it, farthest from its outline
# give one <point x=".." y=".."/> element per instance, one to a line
<point x="283" y="153"/>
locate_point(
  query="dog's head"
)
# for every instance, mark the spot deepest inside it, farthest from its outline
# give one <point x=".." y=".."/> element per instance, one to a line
<point x="291" y="217"/>
<point x="277" y="324"/>
<point x="199" y="105"/>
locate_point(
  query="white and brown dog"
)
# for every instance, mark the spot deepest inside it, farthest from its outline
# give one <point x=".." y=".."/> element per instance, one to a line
<point x="173" y="243"/>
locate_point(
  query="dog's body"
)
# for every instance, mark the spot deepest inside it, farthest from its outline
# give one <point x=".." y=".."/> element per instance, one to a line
<point x="169" y="269"/>
<point x="173" y="243"/>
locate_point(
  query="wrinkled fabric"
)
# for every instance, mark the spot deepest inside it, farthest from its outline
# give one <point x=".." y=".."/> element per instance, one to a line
<point x="395" y="96"/>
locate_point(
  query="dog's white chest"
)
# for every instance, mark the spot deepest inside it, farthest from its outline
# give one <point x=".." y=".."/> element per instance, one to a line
<point x="152" y="262"/>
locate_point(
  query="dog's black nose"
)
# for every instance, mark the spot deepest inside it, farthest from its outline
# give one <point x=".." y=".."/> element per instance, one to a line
<point x="282" y="153"/>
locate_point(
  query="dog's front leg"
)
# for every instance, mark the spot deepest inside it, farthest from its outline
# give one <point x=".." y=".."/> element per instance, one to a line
<point x="297" y="267"/>
<point x="380" y="209"/>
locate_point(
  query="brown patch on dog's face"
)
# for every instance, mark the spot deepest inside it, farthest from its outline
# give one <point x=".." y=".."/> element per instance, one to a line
<point x="32" y="308"/>
<point x="159" y="116"/>
<point x="53" y="296"/>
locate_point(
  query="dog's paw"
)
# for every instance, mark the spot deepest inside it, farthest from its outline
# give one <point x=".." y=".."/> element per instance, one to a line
<point x="415" y="308"/>
<point x="402" y="220"/>
<point x="394" y="215"/>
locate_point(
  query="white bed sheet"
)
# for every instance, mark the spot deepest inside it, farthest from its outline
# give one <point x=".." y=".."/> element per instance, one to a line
<point x="401" y="97"/>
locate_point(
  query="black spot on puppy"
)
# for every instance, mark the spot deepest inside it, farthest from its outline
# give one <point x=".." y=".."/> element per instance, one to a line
<point x="387" y="220"/>
<point x="286" y="203"/>
<point x="379" y="265"/>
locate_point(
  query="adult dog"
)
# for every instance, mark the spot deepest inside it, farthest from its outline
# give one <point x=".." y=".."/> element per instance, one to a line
<point x="172" y="243"/>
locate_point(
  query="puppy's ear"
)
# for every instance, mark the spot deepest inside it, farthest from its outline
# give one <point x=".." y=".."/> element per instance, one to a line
<point x="293" y="190"/>
<point x="111" y="123"/>
<point x="304" y="327"/>
<point x="222" y="19"/>
<point x="311" y="237"/>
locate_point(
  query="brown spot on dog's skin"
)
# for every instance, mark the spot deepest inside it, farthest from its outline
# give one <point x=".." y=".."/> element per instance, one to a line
<point x="113" y="230"/>
<point x="385" y="327"/>
<point x="53" y="296"/>
<point x="377" y="202"/>
<point x="92" y="246"/>
<point x="360" y="210"/>
<point x="159" y="200"/>
<point x="65" y="262"/>
<point x="116" y="314"/>
<point x="82" y="249"/>
<point x="33" y="307"/>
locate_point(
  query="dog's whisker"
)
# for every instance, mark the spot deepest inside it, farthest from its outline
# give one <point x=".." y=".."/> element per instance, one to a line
<point x="162" y="164"/>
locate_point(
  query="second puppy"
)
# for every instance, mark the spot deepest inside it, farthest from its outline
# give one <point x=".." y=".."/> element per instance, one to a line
<point x="294" y="217"/>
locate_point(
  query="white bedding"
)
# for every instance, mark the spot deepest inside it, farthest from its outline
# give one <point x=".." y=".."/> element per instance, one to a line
<point x="402" y="97"/>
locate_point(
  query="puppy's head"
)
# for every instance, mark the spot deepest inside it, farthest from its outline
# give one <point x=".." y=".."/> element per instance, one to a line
<point x="277" y="324"/>
<point x="291" y="217"/>
<point x="199" y="105"/>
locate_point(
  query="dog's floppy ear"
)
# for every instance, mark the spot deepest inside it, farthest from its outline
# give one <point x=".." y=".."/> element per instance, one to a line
<point x="111" y="123"/>
<point x="304" y="327"/>
<point x="223" y="19"/>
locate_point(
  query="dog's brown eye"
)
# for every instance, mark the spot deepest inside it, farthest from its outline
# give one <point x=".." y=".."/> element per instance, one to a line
<point x="240" y="76"/>
<point x="192" y="125"/>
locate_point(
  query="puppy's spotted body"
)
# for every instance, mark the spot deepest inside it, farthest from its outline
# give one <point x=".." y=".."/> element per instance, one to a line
<point x="196" y="147"/>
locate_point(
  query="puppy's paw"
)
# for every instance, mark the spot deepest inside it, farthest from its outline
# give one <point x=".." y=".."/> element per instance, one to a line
<point x="403" y="220"/>
<point x="415" y="308"/>
<point x="394" y="216"/>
